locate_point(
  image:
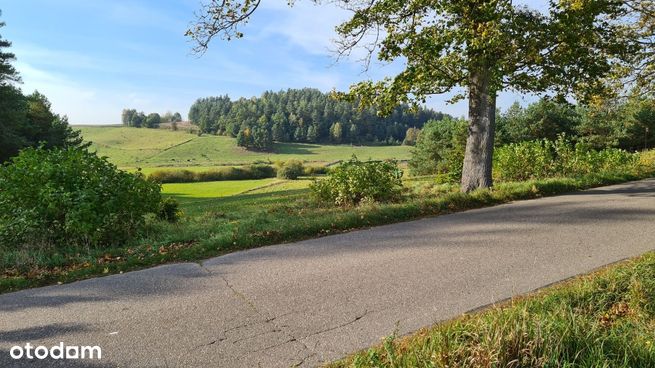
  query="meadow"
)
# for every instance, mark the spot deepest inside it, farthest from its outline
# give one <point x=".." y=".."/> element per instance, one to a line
<point x="212" y="189"/>
<point x="151" y="149"/>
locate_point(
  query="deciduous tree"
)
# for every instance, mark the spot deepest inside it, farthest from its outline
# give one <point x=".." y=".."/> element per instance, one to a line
<point x="153" y="120"/>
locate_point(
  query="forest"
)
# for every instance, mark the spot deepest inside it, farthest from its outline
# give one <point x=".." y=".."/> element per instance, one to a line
<point x="304" y="115"/>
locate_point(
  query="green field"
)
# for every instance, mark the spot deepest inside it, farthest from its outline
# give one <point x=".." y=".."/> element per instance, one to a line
<point x="213" y="189"/>
<point x="190" y="192"/>
<point x="150" y="148"/>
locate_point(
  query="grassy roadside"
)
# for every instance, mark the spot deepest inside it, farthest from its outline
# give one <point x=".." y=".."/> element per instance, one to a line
<point x="215" y="226"/>
<point x="604" y="319"/>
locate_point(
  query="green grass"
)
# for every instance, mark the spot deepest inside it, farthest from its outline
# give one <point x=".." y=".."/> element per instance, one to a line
<point x="282" y="185"/>
<point x="212" y="189"/>
<point x="151" y="148"/>
<point x="273" y="212"/>
<point x="605" y="319"/>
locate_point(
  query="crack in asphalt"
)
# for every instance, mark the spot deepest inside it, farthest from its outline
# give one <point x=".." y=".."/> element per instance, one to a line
<point x="240" y="295"/>
<point x="210" y="343"/>
<point x="302" y="360"/>
<point x="311" y="352"/>
<point x="357" y="318"/>
<point x="257" y="335"/>
<point x="271" y="320"/>
<point x="276" y="328"/>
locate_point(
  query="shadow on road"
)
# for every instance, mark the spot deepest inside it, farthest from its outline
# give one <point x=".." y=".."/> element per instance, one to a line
<point x="638" y="189"/>
<point x="148" y="283"/>
<point x="38" y="333"/>
<point x="7" y="361"/>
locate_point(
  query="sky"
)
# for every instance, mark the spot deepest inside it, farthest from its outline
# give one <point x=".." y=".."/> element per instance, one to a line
<point x="94" y="58"/>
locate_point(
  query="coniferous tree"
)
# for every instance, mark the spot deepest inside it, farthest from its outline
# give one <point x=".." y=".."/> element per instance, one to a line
<point x="27" y="121"/>
<point x="278" y="133"/>
<point x="312" y="133"/>
<point x="286" y="111"/>
<point x="299" y="135"/>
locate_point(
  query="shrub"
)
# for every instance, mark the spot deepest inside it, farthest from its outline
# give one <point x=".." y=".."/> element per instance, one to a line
<point x="260" y="171"/>
<point x="291" y="169"/>
<point x="71" y="197"/>
<point x="440" y="149"/>
<point x="169" y="210"/>
<point x="316" y="170"/>
<point x="352" y="181"/>
<point x="523" y="161"/>
<point x="559" y="158"/>
<point x="256" y="171"/>
<point x="646" y="165"/>
<point x="172" y="176"/>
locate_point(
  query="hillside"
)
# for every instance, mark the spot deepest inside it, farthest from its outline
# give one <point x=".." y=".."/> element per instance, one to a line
<point x="140" y="147"/>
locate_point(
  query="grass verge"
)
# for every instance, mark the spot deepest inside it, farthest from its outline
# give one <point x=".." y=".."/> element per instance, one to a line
<point x="215" y="226"/>
<point x="604" y="319"/>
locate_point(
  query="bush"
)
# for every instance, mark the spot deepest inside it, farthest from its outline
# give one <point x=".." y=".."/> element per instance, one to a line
<point x="354" y="180"/>
<point x="169" y="210"/>
<point x="172" y="176"/>
<point x="256" y="171"/>
<point x="316" y="170"/>
<point x="291" y="169"/>
<point x="523" y="161"/>
<point x="646" y="165"/>
<point x="70" y="197"/>
<point x="440" y="149"/>
<point x="259" y="171"/>
<point x="560" y="158"/>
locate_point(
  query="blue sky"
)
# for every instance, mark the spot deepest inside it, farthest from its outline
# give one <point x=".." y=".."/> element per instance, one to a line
<point x="94" y="58"/>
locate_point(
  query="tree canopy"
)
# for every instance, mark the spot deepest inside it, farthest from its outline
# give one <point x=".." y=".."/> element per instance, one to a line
<point x="639" y="77"/>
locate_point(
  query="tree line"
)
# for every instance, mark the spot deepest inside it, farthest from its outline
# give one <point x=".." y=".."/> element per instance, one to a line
<point x="28" y="120"/>
<point x="627" y="124"/>
<point x="304" y="115"/>
<point x="132" y="118"/>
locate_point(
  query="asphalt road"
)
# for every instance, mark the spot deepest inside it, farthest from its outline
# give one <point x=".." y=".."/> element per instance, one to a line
<point x="314" y="301"/>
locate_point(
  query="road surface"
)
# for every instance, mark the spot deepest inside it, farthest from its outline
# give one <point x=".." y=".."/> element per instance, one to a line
<point x="315" y="301"/>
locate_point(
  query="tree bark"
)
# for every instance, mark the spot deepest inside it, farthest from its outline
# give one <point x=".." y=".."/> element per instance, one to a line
<point x="478" y="156"/>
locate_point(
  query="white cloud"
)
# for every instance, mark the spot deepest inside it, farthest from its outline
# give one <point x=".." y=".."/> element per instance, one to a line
<point x="84" y="104"/>
<point x="305" y="24"/>
<point x="67" y="97"/>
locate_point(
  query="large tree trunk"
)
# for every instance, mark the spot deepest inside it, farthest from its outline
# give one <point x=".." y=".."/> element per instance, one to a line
<point x="476" y="172"/>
